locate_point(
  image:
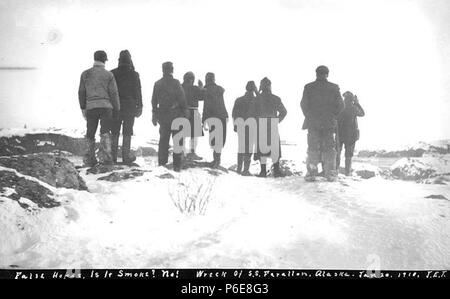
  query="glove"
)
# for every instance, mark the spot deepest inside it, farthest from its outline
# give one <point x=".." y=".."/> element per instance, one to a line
<point x="83" y="111"/>
<point x="200" y="83"/>
<point x="154" y="119"/>
<point x="138" y="112"/>
<point x="187" y="113"/>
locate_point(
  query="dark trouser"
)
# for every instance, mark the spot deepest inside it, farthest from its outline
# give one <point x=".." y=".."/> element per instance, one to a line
<point x="126" y="122"/>
<point x="212" y="141"/>
<point x="322" y="147"/>
<point x="93" y="116"/>
<point x="263" y="156"/>
<point x="165" y="132"/>
<point x="349" y="150"/>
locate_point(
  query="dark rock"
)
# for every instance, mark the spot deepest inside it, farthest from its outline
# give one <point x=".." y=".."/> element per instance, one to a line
<point x="98" y="169"/>
<point x="145" y="151"/>
<point x="438" y="196"/>
<point x="365" y="174"/>
<point x="122" y="176"/>
<point x="166" y="176"/>
<point x="25" y="188"/>
<point x="287" y="168"/>
<point x="39" y="143"/>
<point x="54" y="170"/>
<point x="412" y="170"/>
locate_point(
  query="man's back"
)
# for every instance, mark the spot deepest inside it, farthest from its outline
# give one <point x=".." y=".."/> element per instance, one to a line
<point x="321" y="103"/>
<point x="98" y="88"/>
<point x="129" y="86"/>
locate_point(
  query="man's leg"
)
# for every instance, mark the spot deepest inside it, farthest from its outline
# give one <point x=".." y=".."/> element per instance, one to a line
<point x="163" y="146"/>
<point x="177" y="157"/>
<point x="339" y="146"/>
<point x="106" y="119"/>
<point x="329" y="154"/>
<point x="115" y="133"/>
<point x="127" y="156"/>
<point x="349" y="149"/>
<point x="313" y="154"/>
<point x="92" y="118"/>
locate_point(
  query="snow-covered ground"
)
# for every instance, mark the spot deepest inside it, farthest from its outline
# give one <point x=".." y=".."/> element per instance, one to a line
<point x="206" y="218"/>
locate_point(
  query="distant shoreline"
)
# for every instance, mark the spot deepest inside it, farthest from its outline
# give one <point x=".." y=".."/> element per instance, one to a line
<point x="16" y="68"/>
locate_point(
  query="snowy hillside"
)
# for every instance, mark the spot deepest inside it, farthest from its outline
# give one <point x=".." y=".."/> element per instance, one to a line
<point x="148" y="216"/>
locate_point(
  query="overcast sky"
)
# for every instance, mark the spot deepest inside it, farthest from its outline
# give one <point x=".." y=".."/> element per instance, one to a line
<point x="393" y="54"/>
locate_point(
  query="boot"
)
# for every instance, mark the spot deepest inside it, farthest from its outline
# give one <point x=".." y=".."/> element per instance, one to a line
<point x="177" y="158"/>
<point x="348" y="166"/>
<point x="89" y="159"/>
<point x="104" y="151"/>
<point x="311" y="173"/>
<point x="193" y="156"/>
<point x="216" y="160"/>
<point x="330" y="165"/>
<point x="247" y="160"/>
<point x="263" y="172"/>
<point x="276" y="170"/>
<point x="127" y="156"/>
<point x="114" y="147"/>
<point x="240" y="161"/>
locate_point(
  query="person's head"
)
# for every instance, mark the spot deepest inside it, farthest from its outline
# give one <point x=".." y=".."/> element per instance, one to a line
<point x="266" y="85"/>
<point x="167" y="68"/>
<point x="100" y="56"/>
<point x="210" y="78"/>
<point x="322" y="72"/>
<point x="251" y="86"/>
<point x="348" y="97"/>
<point x="125" y="58"/>
<point x="189" y="77"/>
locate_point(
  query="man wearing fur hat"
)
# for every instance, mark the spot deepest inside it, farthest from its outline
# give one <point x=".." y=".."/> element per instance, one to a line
<point x="129" y="86"/>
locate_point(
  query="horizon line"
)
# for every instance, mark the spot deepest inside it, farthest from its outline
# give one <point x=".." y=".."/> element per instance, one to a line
<point x="8" y="68"/>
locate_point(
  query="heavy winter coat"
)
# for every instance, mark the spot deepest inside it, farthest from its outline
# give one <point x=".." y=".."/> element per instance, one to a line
<point x="244" y="107"/>
<point x="321" y="104"/>
<point x="168" y="99"/>
<point x="348" y="131"/>
<point x="214" y="105"/>
<point x="193" y="94"/>
<point x="98" y="89"/>
<point x="129" y="86"/>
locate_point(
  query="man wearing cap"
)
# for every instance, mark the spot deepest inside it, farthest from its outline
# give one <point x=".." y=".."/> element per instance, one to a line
<point x="244" y="113"/>
<point x="129" y="86"/>
<point x="215" y="117"/>
<point x="270" y="111"/>
<point x="193" y="95"/>
<point x="321" y="104"/>
<point x="348" y="131"/>
<point x="98" y="97"/>
<point x="168" y="103"/>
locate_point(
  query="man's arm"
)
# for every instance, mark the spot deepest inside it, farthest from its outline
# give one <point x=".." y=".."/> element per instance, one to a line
<point x="82" y="93"/>
<point x="359" y="110"/>
<point x="304" y="103"/>
<point x="114" y="93"/>
<point x="282" y="112"/>
<point x="339" y="103"/>
<point x="138" y="96"/>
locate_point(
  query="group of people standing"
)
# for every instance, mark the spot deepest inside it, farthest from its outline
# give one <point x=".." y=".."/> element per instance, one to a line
<point x="114" y="99"/>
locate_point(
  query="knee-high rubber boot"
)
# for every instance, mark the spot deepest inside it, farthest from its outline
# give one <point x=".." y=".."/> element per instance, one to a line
<point x="104" y="152"/>
<point x="263" y="172"/>
<point x="89" y="159"/>
<point x="216" y="161"/>
<point x="330" y="165"/>
<point x="276" y="170"/>
<point x="240" y="161"/>
<point x="114" y="147"/>
<point x="338" y="161"/>
<point x="127" y="156"/>
<point x="348" y="166"/>
<point x="177" y="162"/>
<point x="247" y="160"/>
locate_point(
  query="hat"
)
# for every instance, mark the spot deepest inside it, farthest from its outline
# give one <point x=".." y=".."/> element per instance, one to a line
<point x="322" y="70"/>
<point x="167" y="67"/>
<point x="125" y="57"/>
<point x="100" y="55"/>
<point x="250" y="86"/>
<point x="348" y="94"/>
<point x="189" y="76"/>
